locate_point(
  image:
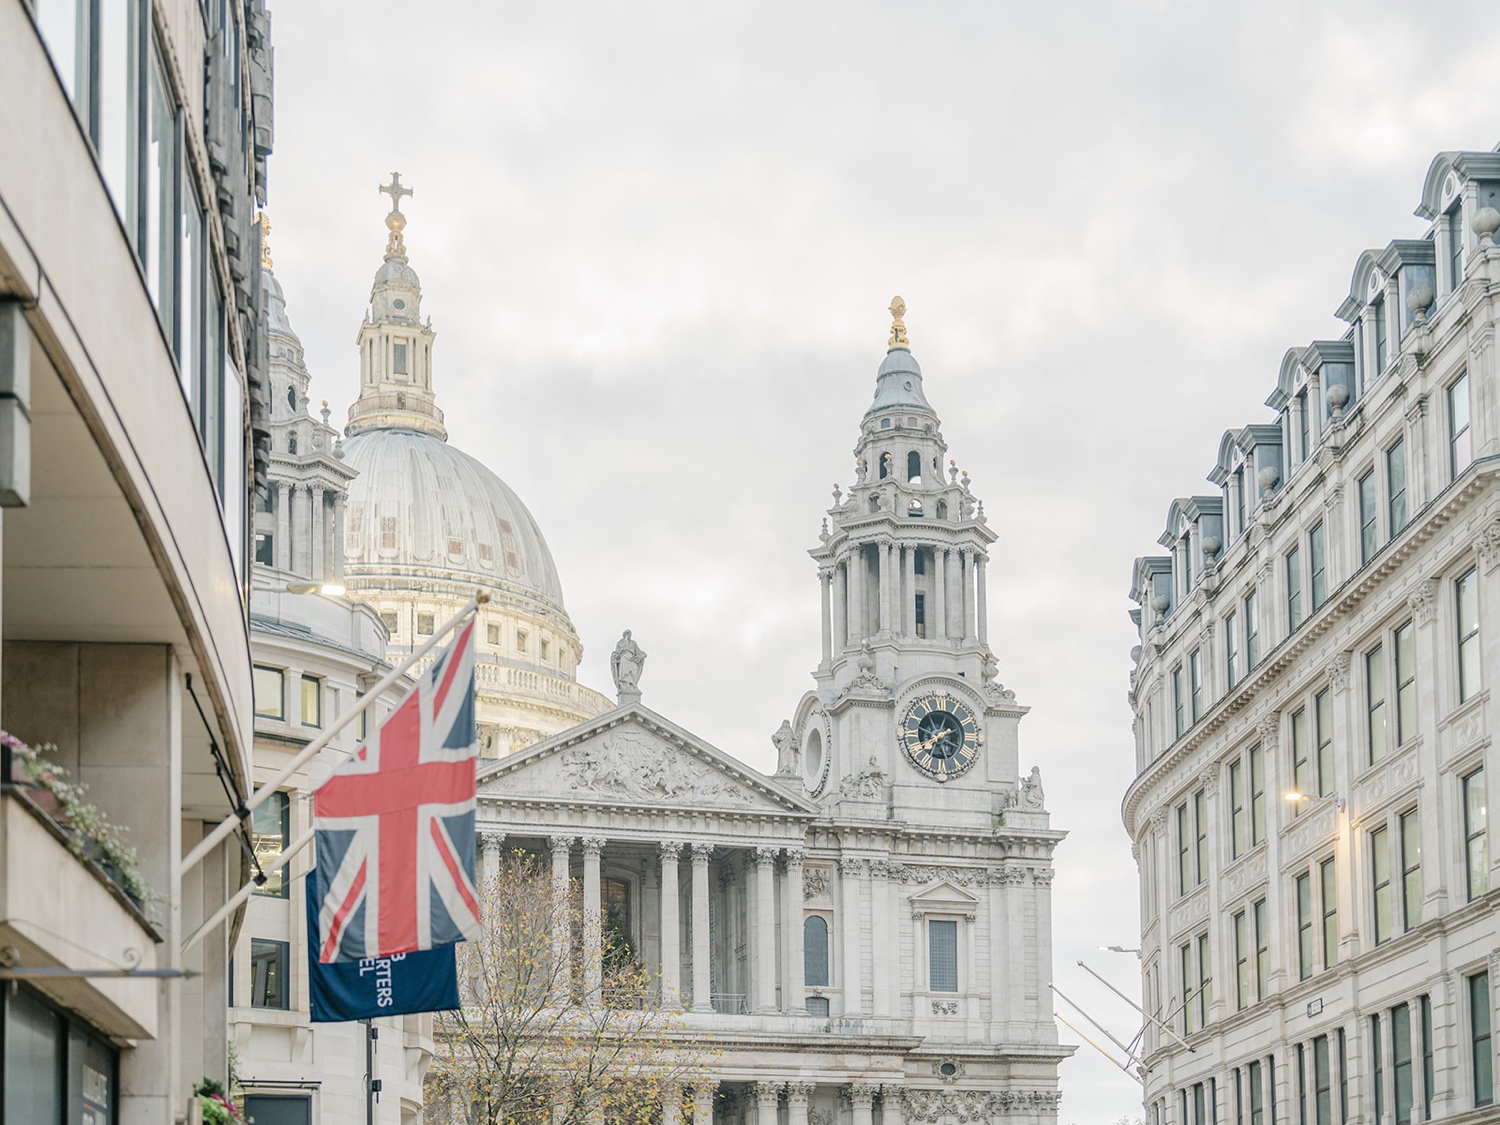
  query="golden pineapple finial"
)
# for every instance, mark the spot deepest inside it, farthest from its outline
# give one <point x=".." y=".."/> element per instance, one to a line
<point x="898" y="326"/>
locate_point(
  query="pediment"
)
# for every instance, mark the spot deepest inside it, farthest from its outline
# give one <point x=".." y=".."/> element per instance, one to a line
<point x="944" y="898"/>
<point x="633" y="758"/>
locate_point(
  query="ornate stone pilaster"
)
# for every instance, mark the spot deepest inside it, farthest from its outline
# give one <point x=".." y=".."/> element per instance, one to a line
<point x="825" y="593"/>
<point x="892" y="1104"/>
<point x="798" y="1095"/>
<point x="886" y="928"/>
<point x="792" y="983"/>
<point x="703" y="1101"/>
<point x="1337" y="671"/>
<point x="764" y="968"/>
<point x="1487" y="545"/>
<point x="1269" y="729"/>
<point x="1423" y="601"/>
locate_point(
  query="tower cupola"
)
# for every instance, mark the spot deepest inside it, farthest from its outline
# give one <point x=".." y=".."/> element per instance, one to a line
<point x="395" y="345"/>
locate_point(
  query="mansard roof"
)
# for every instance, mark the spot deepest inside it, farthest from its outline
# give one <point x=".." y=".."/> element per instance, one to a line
<point x="1146" y="568"/>
<point x="1292" y="365"/>
<point x="1440" y="188"/>
<point x="1364" y="284"/>
<point x="1219" y="474"/>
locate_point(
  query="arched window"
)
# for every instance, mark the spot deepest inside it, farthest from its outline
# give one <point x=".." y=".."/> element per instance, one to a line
<point x="885" y="465"/>
<point x="942" y="510"/>
<point x="815" y="951"/>
<point x="914" y="466"/>
<point x="291" y="398"/>
<point x="291" y="443"/>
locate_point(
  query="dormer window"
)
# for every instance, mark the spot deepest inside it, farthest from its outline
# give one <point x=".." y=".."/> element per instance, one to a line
<point x="1304" y="427"/>
<point x="398" y="359"/>
<point x="1382" y="346"/>
<point x="1455" y="247"/>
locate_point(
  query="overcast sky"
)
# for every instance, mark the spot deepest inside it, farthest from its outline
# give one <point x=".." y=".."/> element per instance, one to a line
<point x="657" y="241"/>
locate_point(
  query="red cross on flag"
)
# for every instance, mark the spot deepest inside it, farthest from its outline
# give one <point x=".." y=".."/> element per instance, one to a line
<point x="394" y="825"/>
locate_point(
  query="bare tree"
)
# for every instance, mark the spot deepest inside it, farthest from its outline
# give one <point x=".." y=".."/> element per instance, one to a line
<point x="542" y="1041"/>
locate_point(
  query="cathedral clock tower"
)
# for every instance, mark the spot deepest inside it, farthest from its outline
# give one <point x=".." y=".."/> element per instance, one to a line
<point x="907" y="721"/>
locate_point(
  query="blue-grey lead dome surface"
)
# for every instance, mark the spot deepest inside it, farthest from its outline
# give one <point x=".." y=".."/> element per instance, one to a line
<point x="420" y="503"/>
<point x="898" y="383"/>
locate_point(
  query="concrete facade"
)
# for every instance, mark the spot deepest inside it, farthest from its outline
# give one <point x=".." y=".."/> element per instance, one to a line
<point x="1314" y="732"/>
<point x="132" y="364"/>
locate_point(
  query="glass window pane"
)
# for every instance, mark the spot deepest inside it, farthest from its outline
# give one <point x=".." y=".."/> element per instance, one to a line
<point x="942" y="946"/>
<point x="62" y="26"/>
<point x="1375" y="701"/>
<point x="1323" y="720"/>
<point x="1304" y="927"/>
<point x="1458" y="424"/>
<point x="1411" y="870"/>
<point x="1401" y="1060"/>
<point x="1367" y="524"/>
<point x="312" y="701"/>
<point x="268" y="968"/>
<point x="269" y="701"/>
<point x="1329" y="878"/>
<point x="269" y="837"/>
<point x="1406" y="684"/>
<point x="1395" y="475"/>
<point x="1317" y="560"/>
<point x="815" y="950"/>
<point x="1467" y="598"/>
<point x="33" y="1060"/>
<point x="1380" y="870"/>
<point x="1257" y="795"/>
<point x="1476" y="835"/>
<point x="1482" y="1049"/>
<point x="1293" y="589"/>
<point x="160" y="246"/>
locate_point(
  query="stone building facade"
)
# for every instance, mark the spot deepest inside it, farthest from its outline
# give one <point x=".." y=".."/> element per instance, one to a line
<point x="866" y="934"/>
<point x="1314" y="733"/>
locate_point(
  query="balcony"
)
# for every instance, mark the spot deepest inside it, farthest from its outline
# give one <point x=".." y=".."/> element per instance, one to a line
<point x="58" y="910"/>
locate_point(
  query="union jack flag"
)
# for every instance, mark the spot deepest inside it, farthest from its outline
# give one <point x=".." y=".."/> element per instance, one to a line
<point x="395" y="824"/>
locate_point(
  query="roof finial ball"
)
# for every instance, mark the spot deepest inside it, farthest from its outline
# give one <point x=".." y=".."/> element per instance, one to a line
<point x="898" y="326"/>
<point x="1486" y="221"/>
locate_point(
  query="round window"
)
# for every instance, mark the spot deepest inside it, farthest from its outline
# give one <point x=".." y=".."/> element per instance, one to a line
<point x="812" y="758"/>
<point x="399" y="303"/>
<point x="948" y="1070"/>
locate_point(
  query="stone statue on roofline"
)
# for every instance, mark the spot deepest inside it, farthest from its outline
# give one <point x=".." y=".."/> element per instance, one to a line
<point x="788" y="753"/>
<point x="626" y="665"/>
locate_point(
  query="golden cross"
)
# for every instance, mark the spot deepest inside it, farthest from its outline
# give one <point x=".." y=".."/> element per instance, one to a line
<point x="396" y="191"/>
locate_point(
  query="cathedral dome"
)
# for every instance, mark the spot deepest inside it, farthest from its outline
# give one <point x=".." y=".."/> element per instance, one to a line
<point x="420" y="504"/>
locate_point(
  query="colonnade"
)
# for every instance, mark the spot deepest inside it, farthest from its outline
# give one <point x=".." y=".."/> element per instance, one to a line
<point x="309" y="531"/>
<point x="873" y="589"/>
<point x="777" y="872"/>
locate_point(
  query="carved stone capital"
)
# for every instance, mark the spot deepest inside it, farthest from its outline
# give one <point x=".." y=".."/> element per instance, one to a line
<point x="701" y="853"/>
<point x="592" y="846"/>
<point x="795" y="857"/>
<point x="765" y="858"/>
<point x="769" y="1093"/>
<point x="669" y="849"/>
<point x="491" y="837"/>
<point x="862" y="1094"/>
<point x="560" y="843"/>
<point x="1042" y="876"/>
<point x="1209" y="780"/>
<point x="1158" y="820"/>
<point x="798" y="1093"/>
<point x="1270" y="730"/>
<point x="1487" y="543"/>
<point x="882" y="868"/>
<point x="1337" y="671"/>
<point x="851" y="868"/>
<point x="1423" y="600"/>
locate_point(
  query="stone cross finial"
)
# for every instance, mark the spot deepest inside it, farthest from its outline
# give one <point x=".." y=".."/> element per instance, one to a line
<point x="395" y="222"/>
<point x="898" y="326"/>
<point x="396" y="191"/>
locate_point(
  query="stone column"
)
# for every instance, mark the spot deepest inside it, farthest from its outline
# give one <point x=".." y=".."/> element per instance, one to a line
<point x="593" y="968"/>
<point x="492" y="841"/>
<point x="953" y="625"/>
<point x="850" y="926"/>
<point x="980" y="605"/>
<point x="767" y="1102"/>
<point x="702" y="981"/>
<point x="336" y="549"/>
<point x="315" y="533"/>
<point x="938" y="624"/>
<point x="892" y="1112"/>
<point x="856" y="568"/>
<point x="561" y="914"/>
<point x="881" y="918"/>
<point x="825" y="582"/>
<point x="671" y="1103"/>
<point x="793" y="981"/>
<point x="765" y="930"/>
<point x="301" y="522"/>
<point x="671" y="924"/>
<point x="909" y="595"/>
<point x="282" y="547"/>
<point x="798" y="1095"/>
<point x="884" y="601"/>
<point x="841" y="605"/>
<point x="862" y="1102"/>
<point x="966" y="595"/>
<point x="703" y="1102"/>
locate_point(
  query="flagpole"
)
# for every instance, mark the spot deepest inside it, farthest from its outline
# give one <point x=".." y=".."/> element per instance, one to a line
<point x="245" y="892"/>
<point x="311" y="750"/>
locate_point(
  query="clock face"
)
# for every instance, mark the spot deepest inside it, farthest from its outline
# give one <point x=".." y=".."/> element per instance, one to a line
<point x="939" y="735"/>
